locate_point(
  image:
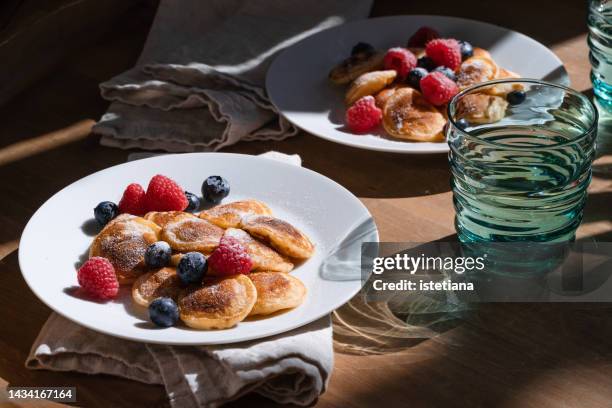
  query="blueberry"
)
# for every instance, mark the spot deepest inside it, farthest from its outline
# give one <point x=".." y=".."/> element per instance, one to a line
<point x="466" y="50"/>
<point x="449" y="73"/>
<point x="105" y="211"/>
<point x="215" y="189"/>
<point x="414" y="77"/>
<point x="194" y="202"/>
<point x="157" y="254"/>
<point x="163" y="312"/>
<point x="462" y="123"/>
<point x="191" y="268"/>
<point x="516" y="97"/>
<point x="362" y="47"/>
<point x="426" y="63"/>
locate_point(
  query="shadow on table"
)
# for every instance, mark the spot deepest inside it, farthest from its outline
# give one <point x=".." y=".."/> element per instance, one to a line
<point x="504" y="355"/>
<point x="363" y="326"/>
<point x="366" y="173"/>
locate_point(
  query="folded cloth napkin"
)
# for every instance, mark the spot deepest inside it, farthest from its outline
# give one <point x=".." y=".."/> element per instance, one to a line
<point x="292" y="367"/>
<point x="199" y="82"/>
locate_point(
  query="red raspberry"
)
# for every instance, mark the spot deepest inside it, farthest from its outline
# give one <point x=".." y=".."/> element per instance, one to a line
<point x="422" y="36"/>
<point x="364" y="115"/>
<point x="437" y="88"/>
<point x="97" y="278"/>
<point x="133" y="200"/>
<point x="164" y="194"/>
<point x="401" y="60"/>
<point x="230" y="258"/>
<point x="446" y="52"/>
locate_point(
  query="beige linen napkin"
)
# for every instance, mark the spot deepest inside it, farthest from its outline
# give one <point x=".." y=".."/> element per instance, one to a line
<point x="292" y="367"/>
<point x="199" y="82"/>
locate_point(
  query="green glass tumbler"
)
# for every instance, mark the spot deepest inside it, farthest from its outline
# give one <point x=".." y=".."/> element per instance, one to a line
<point x="520" y="168"/>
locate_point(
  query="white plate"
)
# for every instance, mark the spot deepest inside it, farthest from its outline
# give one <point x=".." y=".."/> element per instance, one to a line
<point x="298" y="86"/>
<point x="59" y="234"/>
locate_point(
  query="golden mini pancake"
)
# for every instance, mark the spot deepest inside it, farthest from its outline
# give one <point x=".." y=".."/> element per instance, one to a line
<point x="162" y="218"/>
<point x="281" y="235"/>
<point x="162" y="283"/>
<point x="504" y="89"/>
<point x="123" y="241"/>
<point x="355" y="65"/>
<point x="407" y="115"/>
<point x="481" y="108"/>
<point x="187" y="233"/>
<point x="475" y="70"/>
<point x="368" y="84"/>
<point x="481" y="52"/>
<point x="263" y="257"/>
<point x="276" y="291"/>
<point x="218" y="304"/>
<point x="382" y="97"/>
<point x="229" y="215"/>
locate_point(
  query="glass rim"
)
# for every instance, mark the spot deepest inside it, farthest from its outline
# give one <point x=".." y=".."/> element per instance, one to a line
<point x="592" y="127"/>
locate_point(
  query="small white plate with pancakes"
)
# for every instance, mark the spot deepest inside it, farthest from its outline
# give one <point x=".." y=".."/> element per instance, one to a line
<point x="298" y="85"/>
<point x="57" y="238"/>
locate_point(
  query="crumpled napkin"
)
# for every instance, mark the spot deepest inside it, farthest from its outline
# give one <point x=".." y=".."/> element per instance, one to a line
<point x="199" y="83"/>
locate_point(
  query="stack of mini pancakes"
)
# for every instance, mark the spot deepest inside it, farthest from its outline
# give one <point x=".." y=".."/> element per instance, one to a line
<point x="407" y="115"/>
<point x="274" y="246"/>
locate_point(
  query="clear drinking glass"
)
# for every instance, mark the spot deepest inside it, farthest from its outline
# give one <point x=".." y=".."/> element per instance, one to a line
<point x="521" y="178"/>
<point x="600" y="50"/>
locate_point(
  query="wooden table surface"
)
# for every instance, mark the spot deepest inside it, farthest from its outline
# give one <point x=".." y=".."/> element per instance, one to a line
<point x="504" y="355"/>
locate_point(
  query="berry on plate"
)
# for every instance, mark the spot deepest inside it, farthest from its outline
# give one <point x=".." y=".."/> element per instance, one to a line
<point x="438" y="89"/>
<point x="422" y="36"/>
<point x="444" y="51"/>
<point x="157" y="255"/>
<point x="133" y="200"/>
<point x="163" y="312"/>
<point x="362" y="48"/>
<point x="415" y="76"/>
<point x="164" y="194"/>
<point x="516" y="97"/>
<point x="105" y="211"/>
<point x="364" y="115"/>
<point x="193" y="200"/>
<point x="401" y="60"/>
<point x="215" y="189"/>
<point x="426" y="63"/>
<point x="449" y="73"/>
<point x="462" y="123"/>
<point x="466" y="50"/>
<point x="97" y="278"/>
<point x="192" y="267"/>
<point x="230" y="258"/>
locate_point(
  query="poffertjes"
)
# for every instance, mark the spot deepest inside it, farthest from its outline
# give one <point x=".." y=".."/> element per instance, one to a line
<point x="219" y="303"/>
<point x="408" y="108"/>
<point x="229" y="215"/>
<point x="188" y="233"/>
<point x="262" y="256"/>
<point x="281" y="235"/>
<point x="407" y="115"/>
<point x="276" y="291"/>
<point x="123" y="241"/>
<point x="154" y="284"/>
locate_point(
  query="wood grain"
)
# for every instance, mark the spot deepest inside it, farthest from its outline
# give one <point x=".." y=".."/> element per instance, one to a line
<point x="502" y="355"/>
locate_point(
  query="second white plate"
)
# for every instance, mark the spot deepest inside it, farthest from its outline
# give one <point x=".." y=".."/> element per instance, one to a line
<point x="297" y="79"/>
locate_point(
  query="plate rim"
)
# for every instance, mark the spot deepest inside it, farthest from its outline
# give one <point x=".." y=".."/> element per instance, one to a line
<point x="438" y="148"/>
<point x="31" y="223"/>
